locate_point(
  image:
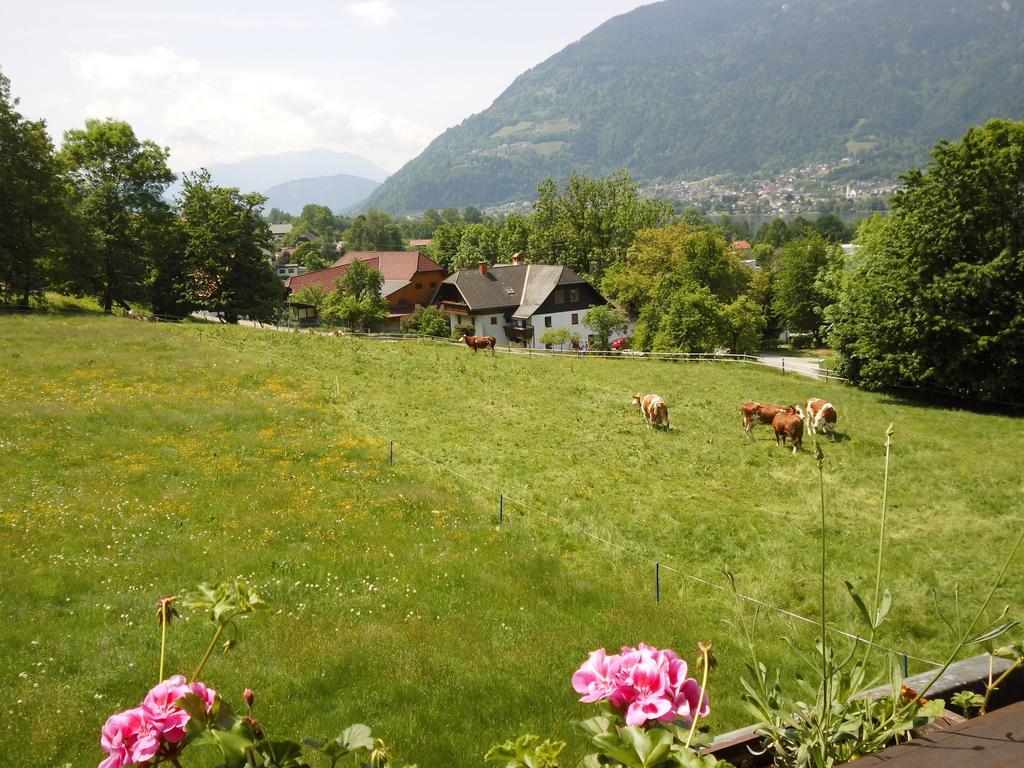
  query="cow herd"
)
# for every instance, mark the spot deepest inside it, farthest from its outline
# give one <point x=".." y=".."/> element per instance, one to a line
<point x="787" y="421"/>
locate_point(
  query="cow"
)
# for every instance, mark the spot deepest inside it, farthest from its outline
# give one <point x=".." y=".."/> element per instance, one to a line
<point x="821" y="417"/>
<point x="761" y="413"/>
<point x="654" y="410"/>
<point x="137" y="316"/>
<point x="479" y="342"/>
<point x="791" y="425"/>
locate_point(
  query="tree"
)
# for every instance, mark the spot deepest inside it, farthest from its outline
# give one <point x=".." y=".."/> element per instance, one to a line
<point x="798" y="298"/>
<point x="277" y="216"/>
<point x="514" y="237"/>
<point x="588" y="224"/>
<point x="373" y="231"/>
<point x="313" y="294"/>
<point x="32" y="208"/>
<point x="937" y="296"/>
<point x="357" y="301"/>
<point x="426" y="321"/>
<point x="605" y="320"/>
<point x="226" y="239"/>
<point x="559" y="336"/>
<point x="479" y="242"/>
<point x="445" y="248"/>
<point x="117" y="186"/>
<point x="472" y="215"/>
<point x="745" y="325"/>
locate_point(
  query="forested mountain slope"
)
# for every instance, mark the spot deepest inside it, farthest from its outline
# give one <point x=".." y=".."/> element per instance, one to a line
<point x="690" y="88"/>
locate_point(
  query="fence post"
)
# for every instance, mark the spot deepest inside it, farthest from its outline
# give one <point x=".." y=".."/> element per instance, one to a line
<point x="657" y="582"/>
<point x="783" y="366"/>
<point x="391" y="452"/>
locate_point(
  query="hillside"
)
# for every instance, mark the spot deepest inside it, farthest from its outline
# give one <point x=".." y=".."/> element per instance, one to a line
<point x="143" y="458"/>
<point x="337" y="192"/>
<point x="688" y="88"/>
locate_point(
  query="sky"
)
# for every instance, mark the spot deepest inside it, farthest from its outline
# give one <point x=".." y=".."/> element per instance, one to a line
<point x="221" y="80"/>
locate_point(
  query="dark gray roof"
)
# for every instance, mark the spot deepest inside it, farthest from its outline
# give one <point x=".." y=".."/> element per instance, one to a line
<point x="492" y="290"/>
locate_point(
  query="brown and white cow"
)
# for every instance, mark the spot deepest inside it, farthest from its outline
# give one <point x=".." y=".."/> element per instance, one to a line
<point x="789" y="425"/>
<point x="821" y="417"/>
<point x="761" y="413"/>
<point x="654" y="410"/>
<point x="479" y="342"/>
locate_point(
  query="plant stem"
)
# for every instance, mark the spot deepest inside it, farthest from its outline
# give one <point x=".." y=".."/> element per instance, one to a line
<point x="703" y="684"/>
<point x="992" y="687"/>
<point x="977" y="617"/>
<point x="825" y="705"/>
<point x="209" y="650"/>
<point x="881" y="534"/>
<point x="163" y="638"/>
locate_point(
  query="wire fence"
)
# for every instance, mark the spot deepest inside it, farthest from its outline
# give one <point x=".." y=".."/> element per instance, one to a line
<point x="503" y="500"/>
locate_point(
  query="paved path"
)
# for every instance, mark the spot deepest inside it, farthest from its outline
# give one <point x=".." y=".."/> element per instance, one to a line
<point x="805" y="366"/>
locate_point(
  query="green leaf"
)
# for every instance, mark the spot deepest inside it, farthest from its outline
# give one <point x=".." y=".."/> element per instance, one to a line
<point x="357" y="736"/>
<point x="865" y="614"/>
<point x="883" y="609"/>
<point x="993" y="633"/>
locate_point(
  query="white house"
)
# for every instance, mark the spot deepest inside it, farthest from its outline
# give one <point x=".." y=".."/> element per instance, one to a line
<point x="516" y="303"/>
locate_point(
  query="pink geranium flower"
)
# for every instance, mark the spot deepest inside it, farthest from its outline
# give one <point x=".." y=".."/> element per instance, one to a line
<point x="159" y="705"/>
<point x="595" y="678"/>
<point x="646" y="683"/>
<point x="128" y="738"/>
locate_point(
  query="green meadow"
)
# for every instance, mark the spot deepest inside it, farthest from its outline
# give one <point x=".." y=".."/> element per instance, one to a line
<point x="139" y="459"/>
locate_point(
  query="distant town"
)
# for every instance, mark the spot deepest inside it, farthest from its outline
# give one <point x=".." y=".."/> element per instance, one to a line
<point x="808" y="189"/>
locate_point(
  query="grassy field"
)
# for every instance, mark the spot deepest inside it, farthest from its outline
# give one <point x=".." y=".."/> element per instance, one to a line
<point x="139" y="459"/>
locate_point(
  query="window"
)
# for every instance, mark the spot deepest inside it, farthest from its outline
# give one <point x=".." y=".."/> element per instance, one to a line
<point x="419" y="286"/>
<point x="575" y="319"/>
<point x="547" y="321"/>
<point x="574" y="295"/>
<point x="559" y="297"/>
<point x="433" y="285"/>
<point x="494" y="321"/>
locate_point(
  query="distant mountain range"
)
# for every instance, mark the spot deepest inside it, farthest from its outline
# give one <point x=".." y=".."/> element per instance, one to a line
<point x="692" y="88"/>
<point x="339" y="193"/>
<point x="292" y="179"/>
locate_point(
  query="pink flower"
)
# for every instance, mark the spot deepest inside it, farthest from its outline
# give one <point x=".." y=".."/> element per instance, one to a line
<point x="594" y="678"/>
<point x="128" y="738"/>
<point x="168" y="720"/>
<point x="646" y="683"/>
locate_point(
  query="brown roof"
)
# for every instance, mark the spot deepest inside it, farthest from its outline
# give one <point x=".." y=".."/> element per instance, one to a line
<point x="398" y="268"/>
<point x="393" y="265"/>
<point x="502" y="287"/>
<point x="325" y="278"/>
<point x="741" y="245"/>
<point x="421" y="243"/>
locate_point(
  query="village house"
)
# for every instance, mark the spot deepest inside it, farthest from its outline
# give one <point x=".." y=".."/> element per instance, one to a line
<point x="410" y="278"/>
<point x="517" y="303"/>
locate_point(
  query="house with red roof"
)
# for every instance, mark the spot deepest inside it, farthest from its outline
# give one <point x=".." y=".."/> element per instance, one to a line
<point x="410" y="278"/>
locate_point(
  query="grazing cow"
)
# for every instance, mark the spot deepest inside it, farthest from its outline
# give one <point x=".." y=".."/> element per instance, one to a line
<point x="654" y="410"/>
<point x="136" y="316"/>
<point x="479" y="342"/>
<point x="335" y="333"/>
<point x="789" y="425"/>
<point x="821" y="417"/>
<point x="761" y="413"/>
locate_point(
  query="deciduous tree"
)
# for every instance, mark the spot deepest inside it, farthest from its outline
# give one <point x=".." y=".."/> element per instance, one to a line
<point x="117" y="186"/>
<point x="226" y="241"/>
<point x="937" y="296"/>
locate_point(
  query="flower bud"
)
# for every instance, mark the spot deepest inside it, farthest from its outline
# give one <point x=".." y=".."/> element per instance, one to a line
<point x="249" y="697"/>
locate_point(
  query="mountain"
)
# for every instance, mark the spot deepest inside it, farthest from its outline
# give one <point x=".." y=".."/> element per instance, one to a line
<point x="258" y="174"/>
<point x="337" y="192"/>
<point x="691" y="88"/>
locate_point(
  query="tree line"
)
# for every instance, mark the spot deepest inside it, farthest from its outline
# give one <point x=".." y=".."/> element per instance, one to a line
<point x="91" y="219"/>
<point x="933" y="297"/>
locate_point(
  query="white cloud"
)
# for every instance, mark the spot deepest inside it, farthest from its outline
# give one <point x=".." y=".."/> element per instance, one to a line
<point x="374" y="13"/>
<point x="221" y="115"/>
<point x="124" y="72"/>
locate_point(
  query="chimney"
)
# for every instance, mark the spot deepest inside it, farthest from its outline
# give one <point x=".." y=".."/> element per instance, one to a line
<point x="483" y="267"/>
<point x="517" y="258"/>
